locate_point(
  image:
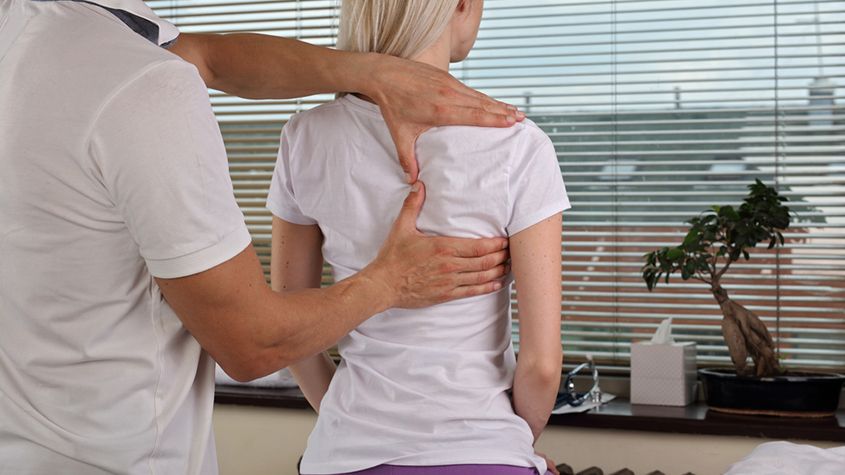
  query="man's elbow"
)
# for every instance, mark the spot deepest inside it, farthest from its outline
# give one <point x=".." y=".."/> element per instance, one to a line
<point x="195" y="49"/>
<point x="244" y="369"/>
<point x="241" y="374"/>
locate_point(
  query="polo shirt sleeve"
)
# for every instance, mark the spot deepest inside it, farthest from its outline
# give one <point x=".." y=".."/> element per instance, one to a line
<point x="281" y="200"/>
<point x="535" y="184"/>
<point x="162" y="161"/>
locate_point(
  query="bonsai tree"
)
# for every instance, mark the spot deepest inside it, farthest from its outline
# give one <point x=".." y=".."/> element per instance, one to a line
<point x="716" y="239"/>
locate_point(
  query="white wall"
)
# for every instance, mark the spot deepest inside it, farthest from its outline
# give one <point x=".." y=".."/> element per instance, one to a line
<point x="259" y="441"/>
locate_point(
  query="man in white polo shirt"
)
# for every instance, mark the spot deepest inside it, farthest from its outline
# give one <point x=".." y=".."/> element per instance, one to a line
<point x="125" y="264"/>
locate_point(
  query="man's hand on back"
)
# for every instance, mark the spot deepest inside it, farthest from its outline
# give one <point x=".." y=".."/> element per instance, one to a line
<point x="252" y="331"/>
<point x="418" y="270"/>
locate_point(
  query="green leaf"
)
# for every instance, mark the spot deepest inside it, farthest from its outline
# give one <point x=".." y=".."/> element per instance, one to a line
<point x="729" y="212"/>
<point x="691" y="237"/>
<point x="675" y="253"/>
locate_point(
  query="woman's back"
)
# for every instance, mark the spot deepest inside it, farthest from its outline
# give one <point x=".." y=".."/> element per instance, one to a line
<point x="425" y="386"/>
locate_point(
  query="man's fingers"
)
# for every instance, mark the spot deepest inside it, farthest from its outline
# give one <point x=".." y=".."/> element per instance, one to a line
<point x="491" y="105"/>
<point x="477" y="264"/>
<point x="474" y="98"/>
<point x="471" y="107"/>
<point x="407" y="219"/>
<point x="467" y="247"/>
<point x="407" y="159"/>
<point x="466" y="90"/>
<point x="477" y="117"/>
<point x="482" y="277"/>
<point x="405" y="137"/>
<point x="474" y="290"/>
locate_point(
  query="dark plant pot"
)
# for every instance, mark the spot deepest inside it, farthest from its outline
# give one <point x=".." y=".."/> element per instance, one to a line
<point x="794" y="394"/>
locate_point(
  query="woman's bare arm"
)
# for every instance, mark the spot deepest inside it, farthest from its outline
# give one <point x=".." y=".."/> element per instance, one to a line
<point x="536" y="262"/>
<point x="296" y="264"/>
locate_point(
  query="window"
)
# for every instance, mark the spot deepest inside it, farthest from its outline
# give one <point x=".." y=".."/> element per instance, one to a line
<point x="658" y="109"/>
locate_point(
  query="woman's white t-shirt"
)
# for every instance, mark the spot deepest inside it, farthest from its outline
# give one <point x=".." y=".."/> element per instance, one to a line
<point x="425" y="386"/>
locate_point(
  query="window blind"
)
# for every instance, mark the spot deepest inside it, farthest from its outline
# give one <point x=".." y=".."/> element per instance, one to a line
<point x="658" y="109"/>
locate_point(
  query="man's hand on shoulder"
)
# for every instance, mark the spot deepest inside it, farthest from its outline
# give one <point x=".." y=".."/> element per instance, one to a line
<point x="415" y="97"/>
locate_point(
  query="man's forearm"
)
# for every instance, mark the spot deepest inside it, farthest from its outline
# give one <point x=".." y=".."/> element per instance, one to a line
<point x="252" y="331"/>
<point x="294" y="325"/>
<point x="261" y="66"/>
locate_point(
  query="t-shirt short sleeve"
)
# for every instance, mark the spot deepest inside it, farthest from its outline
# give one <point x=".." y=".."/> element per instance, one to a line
<point x="281" y="201"/>
<point x="535" y="184"/>
<point x="164" y="166"/>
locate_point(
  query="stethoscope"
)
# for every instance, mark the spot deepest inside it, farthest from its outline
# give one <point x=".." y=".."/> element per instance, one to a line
<point x="568" y="395"/>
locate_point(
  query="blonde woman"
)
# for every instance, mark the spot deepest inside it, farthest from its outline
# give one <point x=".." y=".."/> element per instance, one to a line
<point x="423" y="391"/>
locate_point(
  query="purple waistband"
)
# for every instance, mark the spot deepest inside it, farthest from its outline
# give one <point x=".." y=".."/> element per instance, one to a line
<point x="447" y="470"/>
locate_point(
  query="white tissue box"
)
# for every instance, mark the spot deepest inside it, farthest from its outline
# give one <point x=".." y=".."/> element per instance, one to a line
<point x="663" y="374"/>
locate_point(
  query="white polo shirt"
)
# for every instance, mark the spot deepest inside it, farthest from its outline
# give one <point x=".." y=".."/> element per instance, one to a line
<point x="112" y="172"/>
<point x="425" y="386"/>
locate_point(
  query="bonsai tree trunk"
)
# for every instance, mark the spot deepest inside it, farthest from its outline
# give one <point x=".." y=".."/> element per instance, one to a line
<point x="746" y="336"/>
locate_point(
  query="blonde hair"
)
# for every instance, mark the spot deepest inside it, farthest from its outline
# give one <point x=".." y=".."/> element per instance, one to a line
<point x="402" y="28"/>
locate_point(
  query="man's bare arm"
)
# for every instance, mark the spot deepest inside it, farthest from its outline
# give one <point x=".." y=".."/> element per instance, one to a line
<point x="252" y="331"/>
<point x="413" y="96"/>
<point x="259" y="66"/>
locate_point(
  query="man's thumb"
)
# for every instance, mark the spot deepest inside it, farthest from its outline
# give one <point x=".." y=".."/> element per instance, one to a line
<point x="407" y="158"/>
<point x="412" y="206"/>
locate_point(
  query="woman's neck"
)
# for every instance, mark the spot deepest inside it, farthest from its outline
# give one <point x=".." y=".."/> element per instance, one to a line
<point x="439" y="54"/>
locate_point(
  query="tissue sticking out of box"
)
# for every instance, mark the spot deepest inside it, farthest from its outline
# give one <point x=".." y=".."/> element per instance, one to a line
<point x="663" y="335"/>
<point x="662" y="370"/>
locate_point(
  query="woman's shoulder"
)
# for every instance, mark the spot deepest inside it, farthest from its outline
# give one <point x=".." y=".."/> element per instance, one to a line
<point x="486" y="142"/>
<point x="522" y="132"/>
<point x="322" y="115"/>
<point x="531" y="135"/>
